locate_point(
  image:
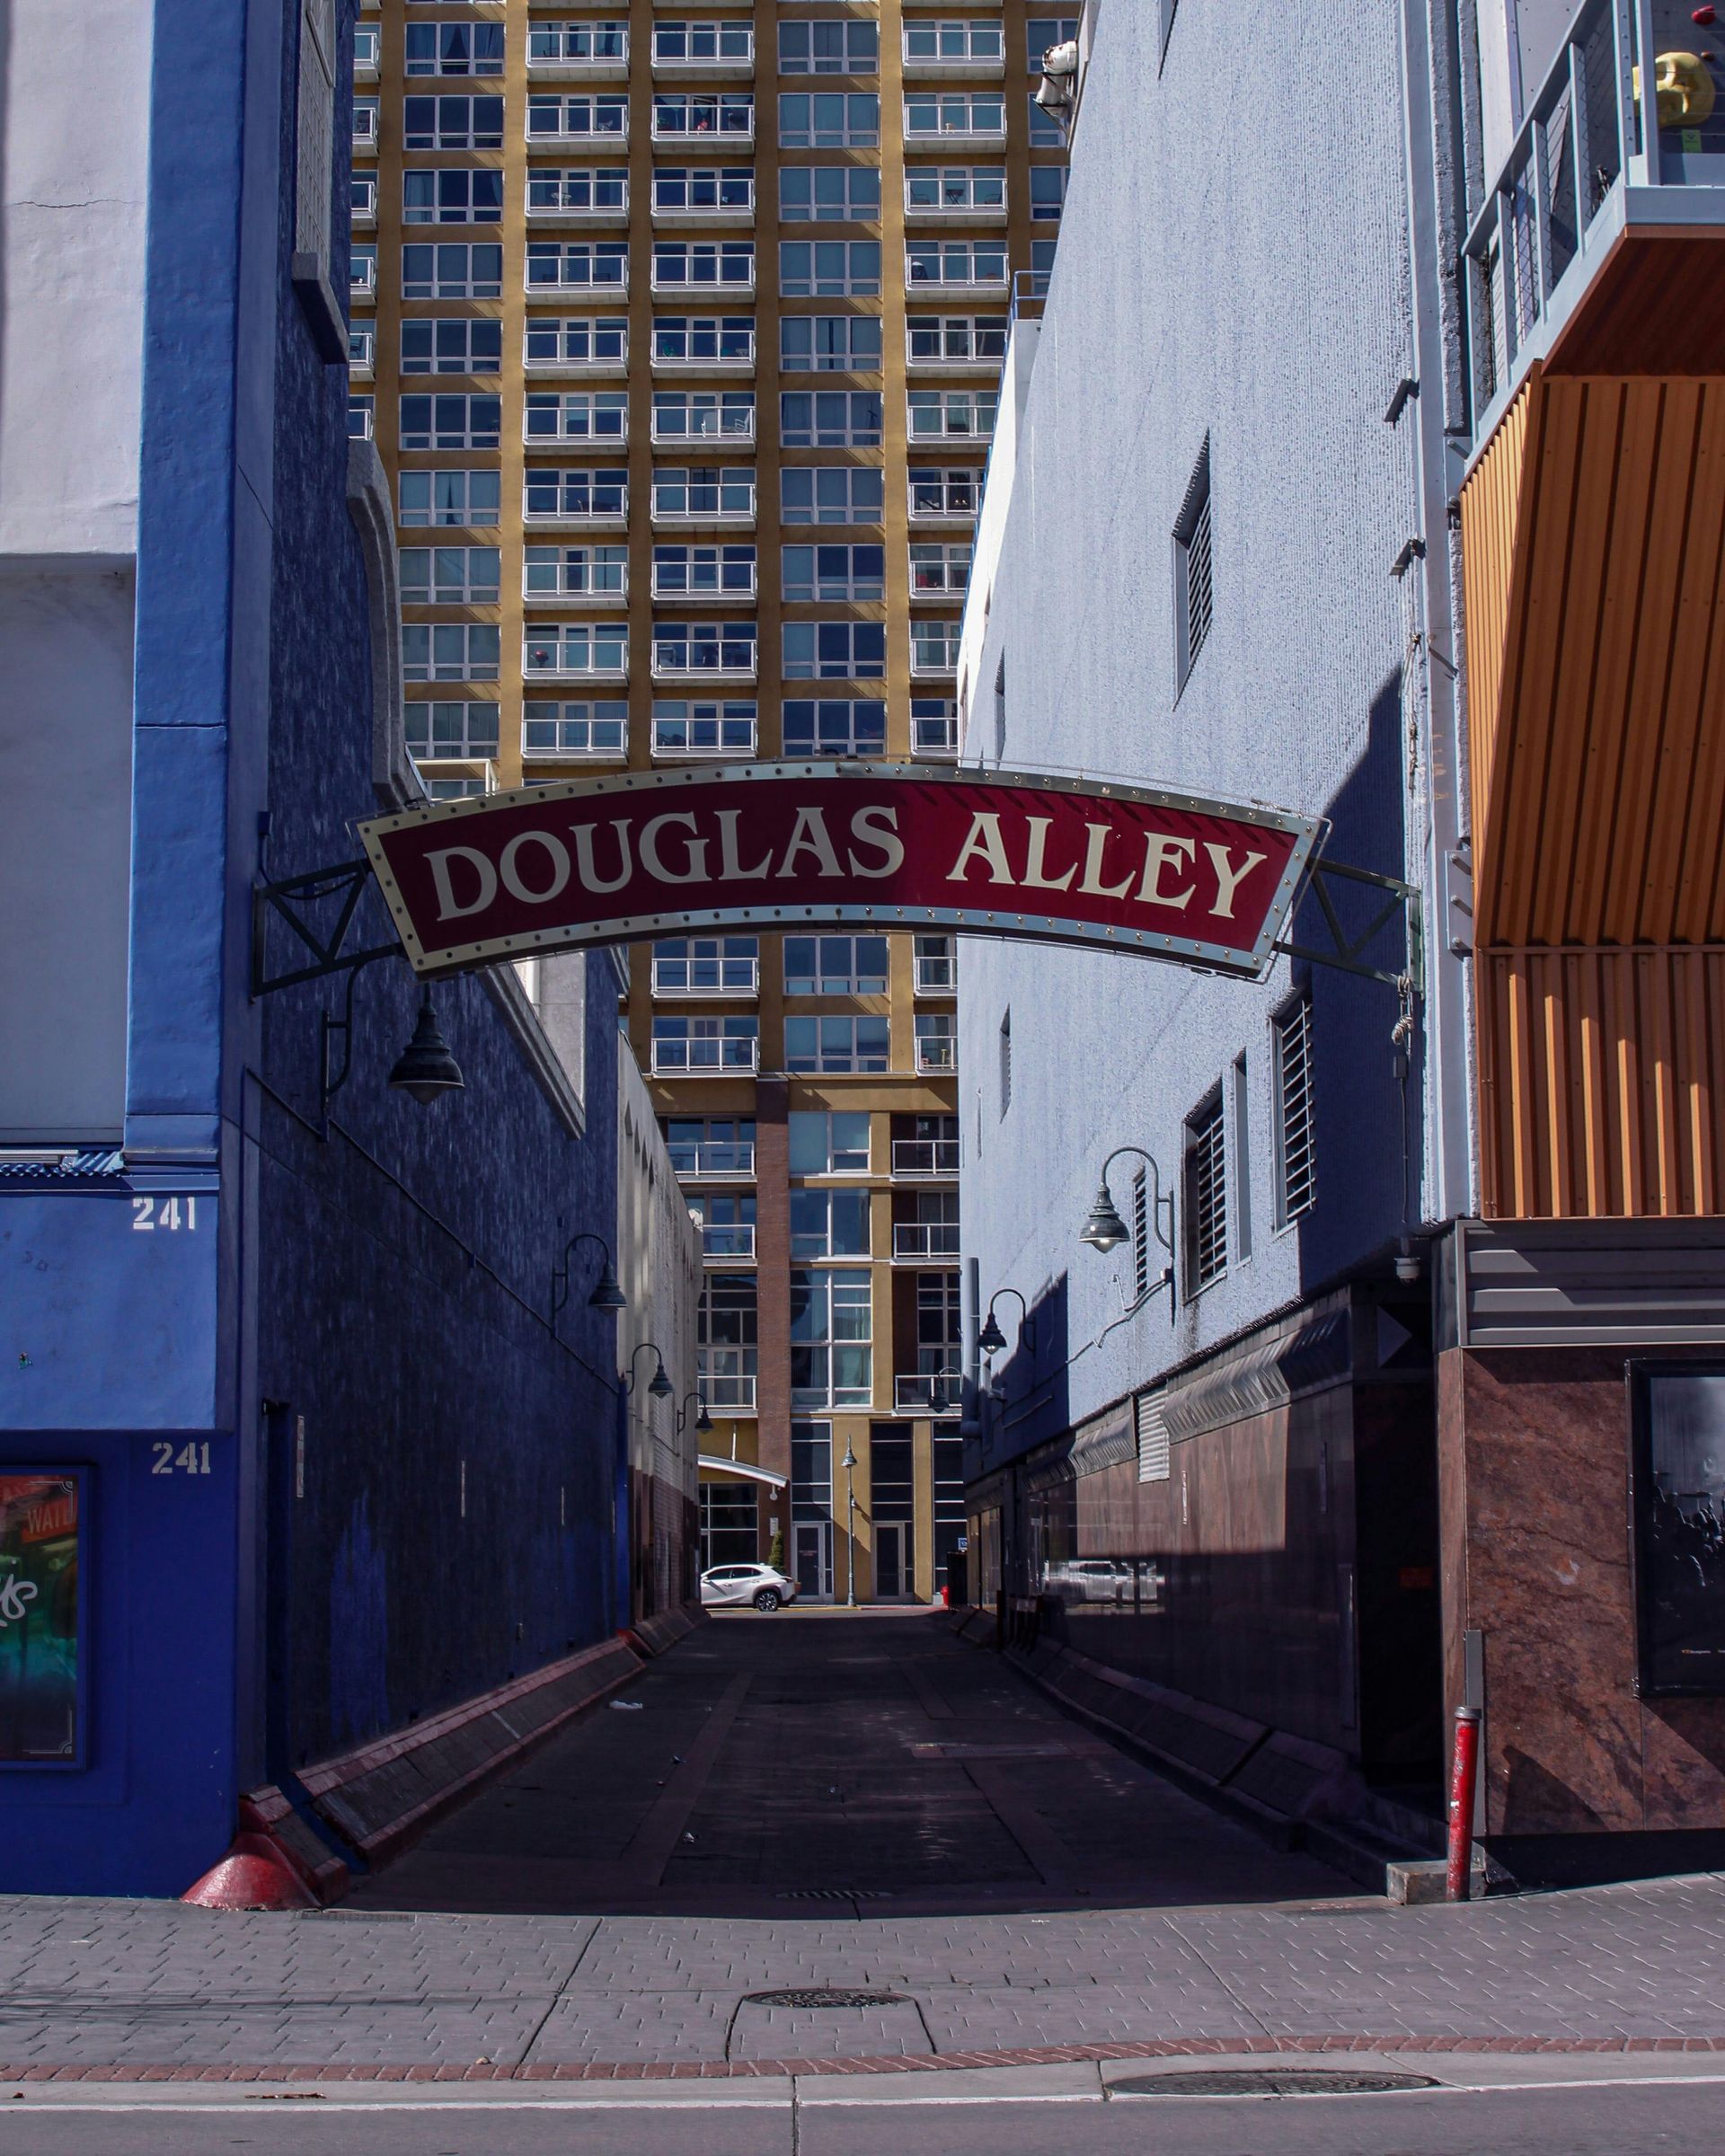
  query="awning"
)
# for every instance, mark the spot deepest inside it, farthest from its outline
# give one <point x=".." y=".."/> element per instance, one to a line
<point x="741" y="1467"/>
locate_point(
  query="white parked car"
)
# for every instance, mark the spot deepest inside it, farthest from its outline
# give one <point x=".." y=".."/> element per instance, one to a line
<point x="730" y="1585"/>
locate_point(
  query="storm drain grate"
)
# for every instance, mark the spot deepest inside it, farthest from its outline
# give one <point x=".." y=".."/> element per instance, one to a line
<point x="833" y="1894"/>
<point x="1270" y="2080"/>
<point x="825" y="1995"/>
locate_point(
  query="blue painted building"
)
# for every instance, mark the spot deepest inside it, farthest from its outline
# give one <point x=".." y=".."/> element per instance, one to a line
<point x="292" y="1455"/>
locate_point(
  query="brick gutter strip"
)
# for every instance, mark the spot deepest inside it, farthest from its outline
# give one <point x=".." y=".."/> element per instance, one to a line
<point x="720" y="2069"/>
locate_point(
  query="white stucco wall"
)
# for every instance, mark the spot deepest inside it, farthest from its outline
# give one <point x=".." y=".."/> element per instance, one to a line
<point x="658" y="1265"/>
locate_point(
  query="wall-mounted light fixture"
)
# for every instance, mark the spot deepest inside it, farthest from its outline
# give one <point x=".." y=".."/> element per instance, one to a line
<point x="991" y="1340"/>
<point x="849" y="1464"/>
<point x="425" y="1070"/>
<point x="659" y="1386"/>
<point x="1104" y="1230"/>
<point x="607" y="1293"/>
<point x="702" y="1421"/>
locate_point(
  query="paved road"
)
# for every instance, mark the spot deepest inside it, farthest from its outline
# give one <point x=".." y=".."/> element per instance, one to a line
<point x="807" y="1759"/>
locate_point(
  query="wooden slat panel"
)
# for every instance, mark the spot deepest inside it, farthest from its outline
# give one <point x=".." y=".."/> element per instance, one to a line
<point x="1600" y="1071"/>
<point x="1490" y="503"/>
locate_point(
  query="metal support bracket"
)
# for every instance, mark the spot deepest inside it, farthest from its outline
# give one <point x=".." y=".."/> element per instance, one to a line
<point x="291" y="900"/>
<point x="1345" y="953"/>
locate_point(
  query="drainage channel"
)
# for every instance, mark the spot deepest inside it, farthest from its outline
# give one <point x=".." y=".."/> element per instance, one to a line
<point x="1270" y="2080"/>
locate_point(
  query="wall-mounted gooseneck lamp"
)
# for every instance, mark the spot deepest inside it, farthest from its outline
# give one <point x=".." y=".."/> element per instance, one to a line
<point x="991" y="1340"/>
<point x="1104" y="1230"/>
<point x="659" y="1386"/>
<point x="607" y="1293"/>
<point x="425" y="1070"/>
<point x="702" y="1421"/>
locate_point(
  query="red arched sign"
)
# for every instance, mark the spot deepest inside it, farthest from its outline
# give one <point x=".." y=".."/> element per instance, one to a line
<point x="880" y="845"/>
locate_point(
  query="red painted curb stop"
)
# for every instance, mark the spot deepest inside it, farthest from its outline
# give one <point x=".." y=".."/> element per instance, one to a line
<point x="251" y="1876"/>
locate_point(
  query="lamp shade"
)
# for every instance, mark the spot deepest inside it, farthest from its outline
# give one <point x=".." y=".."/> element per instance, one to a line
<point x="1104" y="1228"/>
<point x="426" y="1070"/>
<point x="938" y="1403"/>
<point x="704" y="1421"/>
<point x="991" y="1340"/>
<point x="608" y="1294"/>
<point x="660" y="1387"/>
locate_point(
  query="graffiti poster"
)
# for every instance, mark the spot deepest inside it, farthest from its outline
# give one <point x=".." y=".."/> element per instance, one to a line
<point x="41" y="1522"/>
<point x="1680" y="1528"/>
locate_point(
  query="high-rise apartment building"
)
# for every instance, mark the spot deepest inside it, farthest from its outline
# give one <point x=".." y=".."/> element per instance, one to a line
<point x="679" y="329"/>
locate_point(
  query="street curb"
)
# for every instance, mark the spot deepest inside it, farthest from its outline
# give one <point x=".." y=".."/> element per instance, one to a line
<point x="718" y="2070"/>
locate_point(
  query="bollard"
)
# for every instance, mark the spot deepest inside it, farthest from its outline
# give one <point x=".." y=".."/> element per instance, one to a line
<point x="1464" y="1781"/>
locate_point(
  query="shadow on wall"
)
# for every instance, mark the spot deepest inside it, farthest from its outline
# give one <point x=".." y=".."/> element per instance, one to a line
<point x="1363" y="1112"/>
<point x="1026" y="1393"/>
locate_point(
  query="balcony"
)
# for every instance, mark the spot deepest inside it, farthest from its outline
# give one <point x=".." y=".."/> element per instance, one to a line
<point x="365" y="127"/>
<point x="702" y="426"/>
<point x="687" y="508"/>
<point x="576" y="513"/>
<point x="955" y="499"/>
<point x="575" y="658"/>
<point x="559" y="425"/>
<point x="730" y="1395"/>
<point x="554" y="583"/>
<point x="365" y="55"/>
<point x="454" y="777"/>
<point x="699" y="201"/>
<point x="935" y="197"/>
<point x="585" y="53"/>
<point x="916" y="1395"/>
<point x="937" y="976"/>
<point x="571" y="203"/>
<point x="948" y="52"/>
<point x="712" y="1158"/>
<point x="937" y="1046"/>
<point x="955" y="273"/>
<point x="551" y="348"/>
<point x="704" y="52"/>
<point x="705" y="124"/>
<point x="674" y="977"/>
<point x="725" y="584"/>
<point x="694" y="659"/>
<point x="728" y="1243"/>
<point x="582" y="124"/>
<point x="702" y="1059"/>
<point x="362" y="213"/>
<point x="718" y="282"/>
<point x="951" y="123"/>
<point x="934" y="657"/>
<point x="704" y="738"/>
<point x="925" y="1160"/>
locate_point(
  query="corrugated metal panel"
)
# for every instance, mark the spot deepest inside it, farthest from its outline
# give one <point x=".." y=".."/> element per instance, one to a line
<point x="1631" y="1284"/>
<point x="1600" y="1075"/>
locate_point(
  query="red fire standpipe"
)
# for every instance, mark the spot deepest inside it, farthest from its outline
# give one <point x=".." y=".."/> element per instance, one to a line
<point x="1464" y="1781"/>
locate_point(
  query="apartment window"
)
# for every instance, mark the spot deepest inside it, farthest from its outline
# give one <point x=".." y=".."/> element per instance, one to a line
<point x="704" y="491"/>
<point x="955" y="262"/>
<point x="581" y="117"/>
<point x="707" y="966"/>
<point x="835" y="726"/>
<point x="709" y="187"/>
<point x="934" y="646"/>
<point x="935" y="964"/>
<point x="829" y="44"/>
<point x="361" y="419"/>
<point x="952" y="415"/>
<point x="1046" y="131"/>
<point x="440" y="732"/>
<point x="586" y="341"/>
<point x="577" y="265"/>
<point x="449" y="576"/>
<point x="829" y="343"/>
<point x="725" y="416"/>
<point x="578" y="41"/>
<point x="834" y="965"/>
<point x="853" y="573"/>
<point x="596" y="491"/>
<point x="704" y="648"/>
<point x="362" y="197"/>
<point x="575" y="572"/>
<point x="574" y="648"/>
<point x="834" y="651"/>
<point x="819" y="194"/>
<point x="1297" y="1188"/>
<point x="1193" y="584"/>
<point x="705" y="339"/>
<point x="1006" y="1053"/>
<point x="829" y="1143"/>
<point x="829" y="119"/>
<point x="726" y="1332"/>
<point x="939" y="569"/>
<point x="453" y="48"/>
<point x="1041" y="31"/>
<point x="450" y="420"/>
<point x="575" y="729"/>
<point x="680" y="116"/>
<point x="832" y="494"/>
<point x="954" y="493"/>
<point x="455" y="195"/>
<point x="582" y="190"/>
<point x="685" y="727"/>
<point x="365" y="113"/>
<point x="704" y="572"/>
<point x="1048" y="193"/>
<point x="937" y="1040"/>
<point x="829" y="1223"/>
<point x="367" y="49"/>
<point x="832" y="1332"/>
<point x="458" y="497"/>
<point x="727" y="1223"/>
<point x="705" y="1046"/>
<point x="932" y="116"/>
<point x="452" y="123"/>
<point x="362" y="345"/>
<point x="858" y="1045"/>
<point x="679" y="42"/>
<point x="973" y="187"/>
<point x="706" y="1146"/>
<point x="830" y="419"/>
<point x="362" y="271"/>
<point x="934" y="725"/>
<point x="452" y="345"/>
<point x="965" y="44"/>
<point x="940" y="1324"/>
<point x="1206" y="1194"/>
<point x="955" y="340"/>
<point x="831" y="269"/>
<point x="575" y="415"/>
<point x="703" y="264"/>
<point x="451" y="269"/>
